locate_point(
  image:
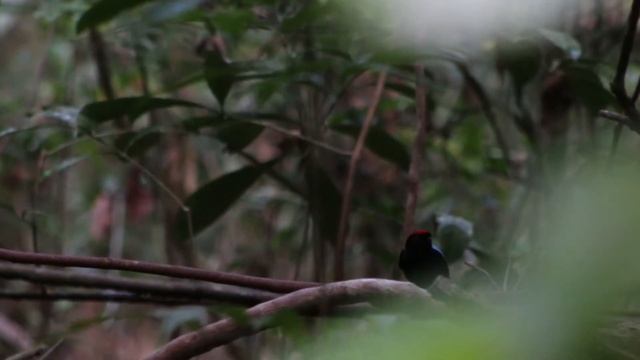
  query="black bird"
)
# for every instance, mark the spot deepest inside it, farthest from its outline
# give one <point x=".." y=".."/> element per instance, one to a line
<point x="420" y="262"/>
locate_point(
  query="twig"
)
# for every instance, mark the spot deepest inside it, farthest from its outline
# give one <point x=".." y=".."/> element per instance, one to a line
<point x="182" y="272"/>
<point x="182" y="289"/>
<point x="302" y="137"/>
<point x="227" y="330"/>
<point x="183" y="207"/>
<point x="345" y="209"/>
<point x="621" y="120"/>
<point x="487" y="108"/>
<point x="483" y="272"/>
<point x="417" y="153"/>
<point x="618" y="84"/>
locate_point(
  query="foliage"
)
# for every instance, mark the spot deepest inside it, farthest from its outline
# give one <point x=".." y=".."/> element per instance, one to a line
<point x="201" y="132"/>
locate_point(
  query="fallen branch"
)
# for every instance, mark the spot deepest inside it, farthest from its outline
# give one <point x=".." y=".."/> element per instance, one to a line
<point x="329" y="295"/>
<point x="102" y="296"/>
<point x="182" y="289"/>
<point x="182" y="272"/>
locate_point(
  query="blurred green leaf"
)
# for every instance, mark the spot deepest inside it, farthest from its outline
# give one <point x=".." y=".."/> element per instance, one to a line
<point x="103" y="11"/>
<point x="521" y="59"/>
<point x="565" y="42"/>
<point x="213" y="199"/>
<point x="587" y="85"/>
<point x="454" y="235"/>
<point x="129" y="107"/>
<point x="233" y="21"/>
<point x="380" y="143"/>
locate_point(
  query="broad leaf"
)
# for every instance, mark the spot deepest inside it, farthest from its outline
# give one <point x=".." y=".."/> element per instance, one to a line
<point x="129" y="107"/>
<point x="213" y="199"/>
<point x="137" y="143"/>
<point x="380" y="143"/>
<point x="521" y="59"/>
<point x="587" y="85"/>
<point x="103" y="11"/>
<point x="563" y="41"/>
<point x="238" y="135"/>
<point x="220" y="75"/>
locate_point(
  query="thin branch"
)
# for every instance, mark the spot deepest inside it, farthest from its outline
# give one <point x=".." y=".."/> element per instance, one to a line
<point x="164" y="187"/>
<point x="345" y="209"/>
<point x="483" y="272"/>
<point x="618" y="84"/>
<point x="487" y="108"/>
<point x="182" y="272"/>
<point x="183" y="289"/>
<point x="227" y="330"/>
<point x="621" y="120"/>
<point x="311" y="141"/>
<point x="417" y="153"/>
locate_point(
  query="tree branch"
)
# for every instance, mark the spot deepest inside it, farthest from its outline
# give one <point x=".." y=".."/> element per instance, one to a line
<point x="487" y="108"/>
<point x="182" y="272"/>
<point x="227" y="330"/>
<point x="417" y="153"/>
<point x="345" y="209"/>
<point x="102" y="296"/>
<point x="165" y="288"/>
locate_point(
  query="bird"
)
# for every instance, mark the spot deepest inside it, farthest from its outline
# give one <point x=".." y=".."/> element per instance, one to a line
<point x="420" y="262"/>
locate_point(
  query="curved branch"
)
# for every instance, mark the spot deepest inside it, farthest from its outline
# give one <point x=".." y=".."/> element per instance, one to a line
<point x="102" y="296"/>
<point x="345" y="209"/>
<point x="182" y="289"/>
<point x="227" y="330"/>
<point x="417" y="153"/>
<point x="182" y="272"/>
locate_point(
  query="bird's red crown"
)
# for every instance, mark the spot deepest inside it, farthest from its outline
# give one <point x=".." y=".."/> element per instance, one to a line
<point x="422" y="232"/>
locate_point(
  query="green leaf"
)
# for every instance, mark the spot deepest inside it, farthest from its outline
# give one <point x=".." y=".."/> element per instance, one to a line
<point x="238" y="135"/>
<point x="563" y="41"/>
<point x="137" y="143"/>
<point x="220" y="75"/>
<point x="129" y="107"/>
<point x="380" y="143"/>
<point x="103" y="11"/>
<point x="587" y="85"/>
<point x="521" y="59"/>
<point x="213" y="199"/>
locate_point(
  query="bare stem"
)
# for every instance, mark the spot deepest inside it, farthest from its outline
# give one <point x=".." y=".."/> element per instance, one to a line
<point x="345" y="209"/>
<point x="182" y="272"/>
